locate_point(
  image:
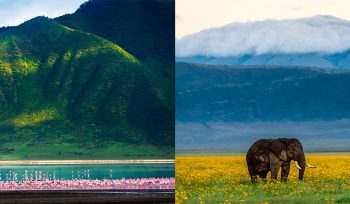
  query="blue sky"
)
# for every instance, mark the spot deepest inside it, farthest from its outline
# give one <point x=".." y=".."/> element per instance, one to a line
<point x="14" y="12"/>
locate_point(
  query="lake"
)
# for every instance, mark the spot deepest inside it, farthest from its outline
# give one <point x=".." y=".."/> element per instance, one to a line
<point x="85" y="171"/>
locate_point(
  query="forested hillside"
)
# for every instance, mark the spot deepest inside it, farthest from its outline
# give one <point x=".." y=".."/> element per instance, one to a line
<point x="69" y="93"/>
<point x="261" y="93"/>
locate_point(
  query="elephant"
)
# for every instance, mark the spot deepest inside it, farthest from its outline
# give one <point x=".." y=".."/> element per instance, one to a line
<point x="271" y="155"/>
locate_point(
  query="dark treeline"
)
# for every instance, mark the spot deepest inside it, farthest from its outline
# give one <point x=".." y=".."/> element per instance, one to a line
<point x="5" y="28"/>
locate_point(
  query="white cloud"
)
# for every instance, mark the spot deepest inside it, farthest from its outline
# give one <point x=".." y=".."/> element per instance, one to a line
<point x="318" y="34"/>
<point x="14" y="12"/>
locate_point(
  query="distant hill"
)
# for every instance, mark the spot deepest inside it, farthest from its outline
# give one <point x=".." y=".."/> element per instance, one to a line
<point x="67" y="93"/>
<point x="338" y="60"/>
<point x="260" y="93"/>
<point x="225" y="109"/>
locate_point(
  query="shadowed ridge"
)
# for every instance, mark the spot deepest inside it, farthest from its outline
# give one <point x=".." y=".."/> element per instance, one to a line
<point x="145" y="28"/>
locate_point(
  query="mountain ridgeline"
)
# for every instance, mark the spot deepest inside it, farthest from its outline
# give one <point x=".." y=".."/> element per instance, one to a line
<point x="78" y="89"/>
<point x="261" y="93"/>
<point x="3" y="29"/>
<point x="336" y="60"/>
<point x="142" y="27"/>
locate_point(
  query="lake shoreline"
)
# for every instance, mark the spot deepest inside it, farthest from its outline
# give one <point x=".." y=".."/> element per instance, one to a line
<point x="136" y="161"/>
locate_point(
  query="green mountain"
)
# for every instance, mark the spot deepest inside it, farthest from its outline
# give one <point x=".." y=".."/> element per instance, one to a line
<point x="66" y="94"/>
<point x="145" y="28"/>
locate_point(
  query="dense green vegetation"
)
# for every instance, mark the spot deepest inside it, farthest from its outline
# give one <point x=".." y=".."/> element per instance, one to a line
<point x="66" y="93"/>
<point x="145" y="28"/>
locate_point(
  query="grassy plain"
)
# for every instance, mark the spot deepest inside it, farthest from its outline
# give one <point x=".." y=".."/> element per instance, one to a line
<point x="225" y="179"/>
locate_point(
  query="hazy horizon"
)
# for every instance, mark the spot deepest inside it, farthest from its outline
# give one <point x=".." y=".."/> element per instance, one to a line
<point x="231" y="137"/>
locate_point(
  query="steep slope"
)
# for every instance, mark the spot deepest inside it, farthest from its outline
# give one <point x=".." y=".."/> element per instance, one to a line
<point x="260" y="93"/>
<point x="70" y="93"/>
<point x="145" y="28"/>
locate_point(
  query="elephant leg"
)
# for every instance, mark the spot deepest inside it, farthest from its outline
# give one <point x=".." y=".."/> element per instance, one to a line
<point x="252" y="173"/>
<point x="274" y="172"/>
<point x="275" y="165"/>
<point x="263" y="175"/>
<point x="254" y="179"/>
<point x="285" y="171"/>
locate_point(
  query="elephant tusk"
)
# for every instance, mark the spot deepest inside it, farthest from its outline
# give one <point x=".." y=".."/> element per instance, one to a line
<point x="296" y="164"/>
<point x="310" y="166"/>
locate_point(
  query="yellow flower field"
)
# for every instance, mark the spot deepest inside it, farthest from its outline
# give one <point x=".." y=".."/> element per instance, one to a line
<point x="225" y="179"/>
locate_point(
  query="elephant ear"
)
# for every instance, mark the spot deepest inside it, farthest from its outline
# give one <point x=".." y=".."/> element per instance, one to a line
<point x="279" y="148"/>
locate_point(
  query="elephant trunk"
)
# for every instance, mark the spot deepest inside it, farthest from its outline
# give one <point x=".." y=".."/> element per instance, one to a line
<point x="300" y="161"/>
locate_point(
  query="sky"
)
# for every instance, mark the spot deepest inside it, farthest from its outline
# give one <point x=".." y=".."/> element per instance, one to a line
<point x="195" y="15"/>
<point x="15" y="12"/>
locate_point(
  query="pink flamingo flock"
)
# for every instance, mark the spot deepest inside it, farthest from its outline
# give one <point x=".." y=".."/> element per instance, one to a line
<point x="85" y="184"/>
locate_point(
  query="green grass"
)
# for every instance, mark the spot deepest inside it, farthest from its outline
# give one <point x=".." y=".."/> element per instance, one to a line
<point x="66" y="151"/>
<point x="52" y="142"/>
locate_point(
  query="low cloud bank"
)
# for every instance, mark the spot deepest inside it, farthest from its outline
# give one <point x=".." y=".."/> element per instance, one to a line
<point x="317" y="34"/>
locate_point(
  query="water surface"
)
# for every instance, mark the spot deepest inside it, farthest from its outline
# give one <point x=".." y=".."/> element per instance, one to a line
<point x="86" y="171"/>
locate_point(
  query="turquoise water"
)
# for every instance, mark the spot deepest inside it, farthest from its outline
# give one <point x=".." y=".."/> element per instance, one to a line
<point x="86" y="171"/>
